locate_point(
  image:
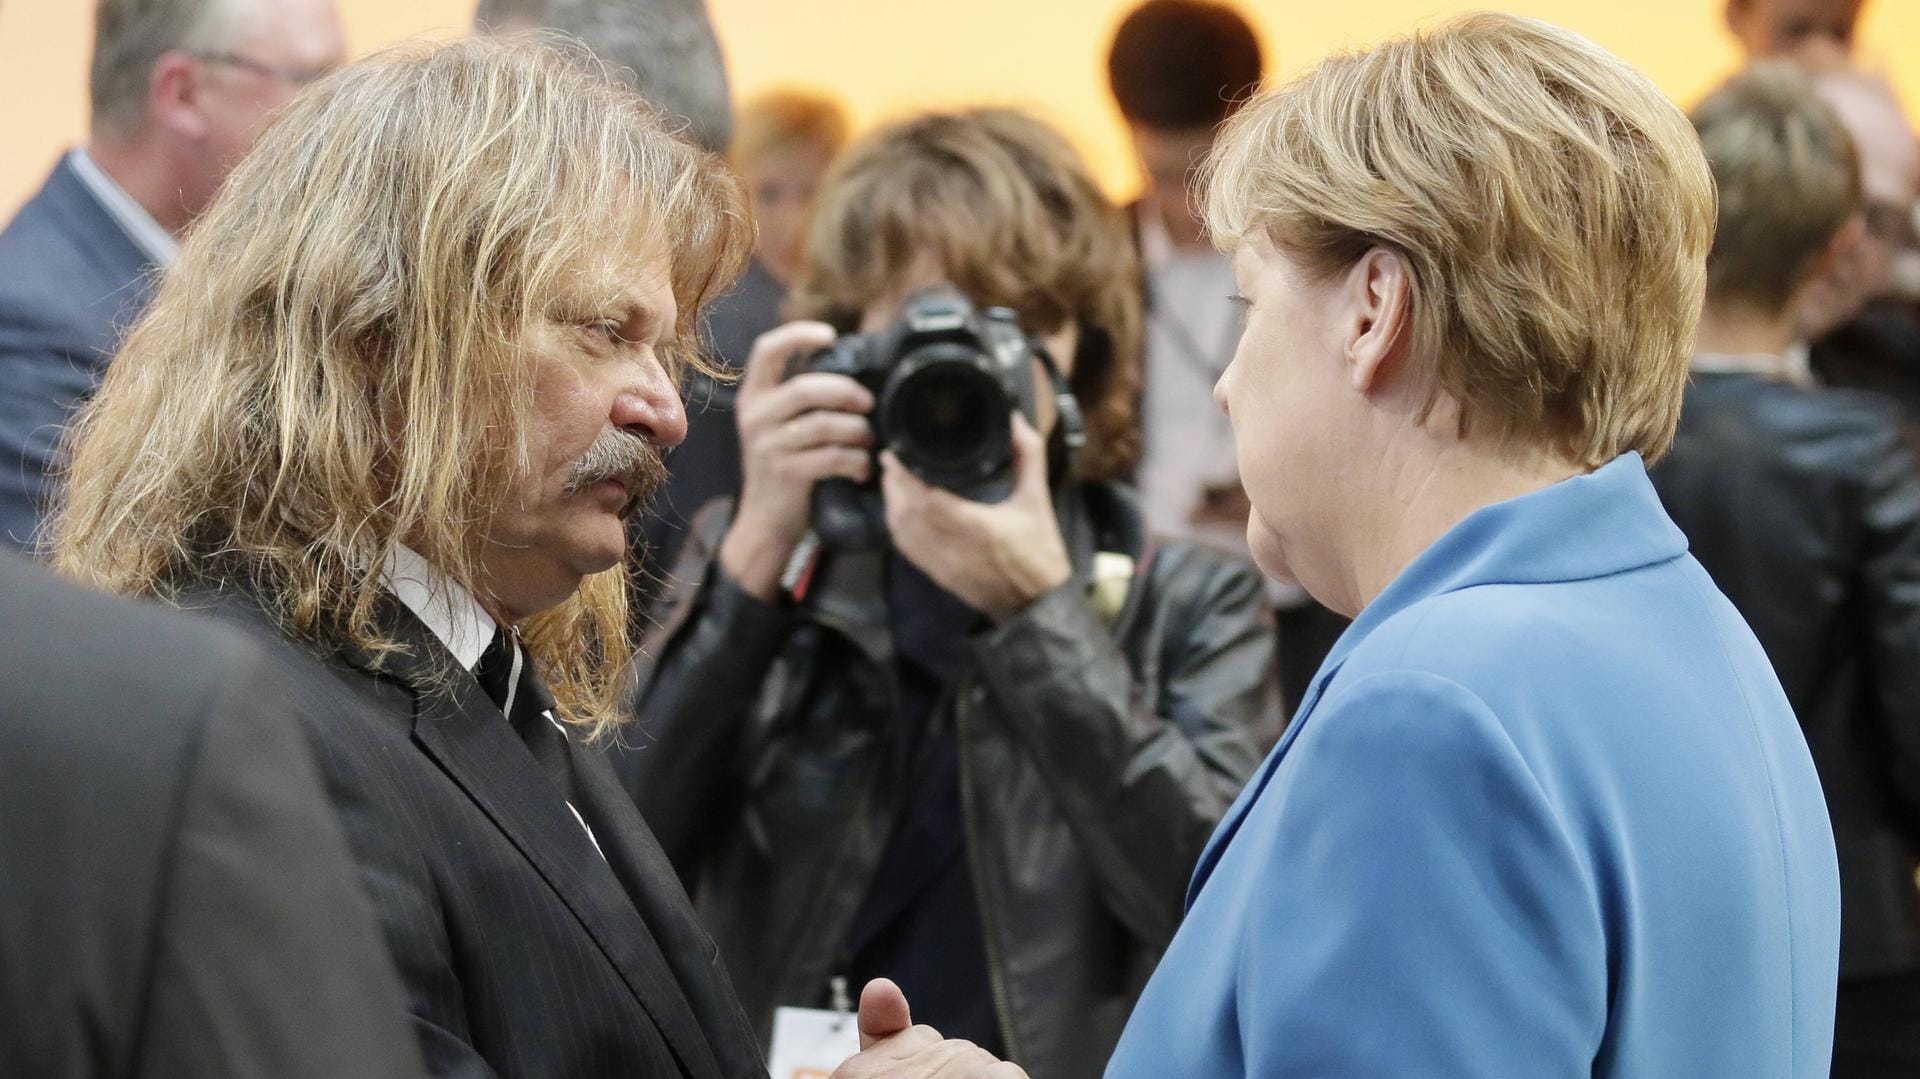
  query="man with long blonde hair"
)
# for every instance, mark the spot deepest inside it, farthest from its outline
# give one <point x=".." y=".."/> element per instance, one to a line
<point x="392" y="407"/>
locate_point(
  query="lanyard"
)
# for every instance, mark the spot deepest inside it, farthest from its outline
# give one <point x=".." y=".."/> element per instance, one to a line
<point x="1186" y="343"/>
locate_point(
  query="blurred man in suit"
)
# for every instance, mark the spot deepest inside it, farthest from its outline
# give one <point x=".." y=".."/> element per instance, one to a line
<point x="176" y="899"/>
<point x="432" y="324"/>
<point x="180" y="89"/>
<point x="1178" y="69"/>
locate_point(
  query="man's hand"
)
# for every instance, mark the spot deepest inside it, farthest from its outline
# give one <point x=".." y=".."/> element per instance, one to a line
<point x="998" y="557"/>
<point x="891" y="1047"/>
<point x="793" y="433"/>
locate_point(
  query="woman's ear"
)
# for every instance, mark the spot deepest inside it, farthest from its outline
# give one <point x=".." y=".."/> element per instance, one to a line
<point x="1378" y="290"/>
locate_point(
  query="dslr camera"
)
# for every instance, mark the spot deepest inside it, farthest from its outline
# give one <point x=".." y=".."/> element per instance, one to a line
<point x="945" y="378"/>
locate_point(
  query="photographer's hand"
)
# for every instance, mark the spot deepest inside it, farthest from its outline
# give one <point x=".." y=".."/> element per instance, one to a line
<point x="997" y="557"/>
<point x="793" y="432"/>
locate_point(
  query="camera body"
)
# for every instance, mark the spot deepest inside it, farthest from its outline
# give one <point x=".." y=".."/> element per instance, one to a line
<point x="945" y="378"/>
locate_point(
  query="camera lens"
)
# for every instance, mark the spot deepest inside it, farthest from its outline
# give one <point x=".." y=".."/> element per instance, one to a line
<point x="947" y="418"/>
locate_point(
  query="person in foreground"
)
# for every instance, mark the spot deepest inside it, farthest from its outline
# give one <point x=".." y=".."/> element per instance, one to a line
<point x="176" y="898"/>
<point x="391" y="408"/>
<point x="1545" y="812"/>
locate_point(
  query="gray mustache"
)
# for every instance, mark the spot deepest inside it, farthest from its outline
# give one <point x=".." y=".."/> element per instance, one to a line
<point x="628" y="459"/>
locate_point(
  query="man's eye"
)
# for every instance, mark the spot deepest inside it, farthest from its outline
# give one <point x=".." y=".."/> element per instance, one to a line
<point x="606" y="329"/>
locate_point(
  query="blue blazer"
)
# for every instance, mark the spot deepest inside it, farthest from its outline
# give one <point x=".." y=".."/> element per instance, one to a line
<point x="1546" y="814"/>
<point x="70" y="283"/>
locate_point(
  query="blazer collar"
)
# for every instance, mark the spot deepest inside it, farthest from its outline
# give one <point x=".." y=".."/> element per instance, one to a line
<point x="1606" y="522"/>
<point x="460" y="728"/>
<point x="155" y="243"/>
<point x="114" y="254"/>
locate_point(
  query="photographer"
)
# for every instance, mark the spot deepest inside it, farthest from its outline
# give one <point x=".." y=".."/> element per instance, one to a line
<point x="981" y="761"/>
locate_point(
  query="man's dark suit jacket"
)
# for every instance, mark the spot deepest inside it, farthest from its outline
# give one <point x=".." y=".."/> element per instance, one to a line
<point x="71" y="281"/>
<point x="524" y="951"/>
<point x="176" y="897"/>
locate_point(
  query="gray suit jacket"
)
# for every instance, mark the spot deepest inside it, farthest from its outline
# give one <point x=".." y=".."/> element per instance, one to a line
<point x="176" y="897"/>
<point x="71" y="281"/>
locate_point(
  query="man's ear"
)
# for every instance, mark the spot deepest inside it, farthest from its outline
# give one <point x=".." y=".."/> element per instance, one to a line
<point x="173" y="94"/>
<point x="1378" y="290"/>
<point x="1829" y="289"/>
<point x="1844" y="245"/>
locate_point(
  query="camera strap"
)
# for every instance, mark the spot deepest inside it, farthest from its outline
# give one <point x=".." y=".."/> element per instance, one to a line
<point x="1069" y="424"/>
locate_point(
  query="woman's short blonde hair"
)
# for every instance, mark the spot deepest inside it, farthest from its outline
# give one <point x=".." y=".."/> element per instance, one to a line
<point x="335" y="367"/>
<point x="1012" y="215"/>
<point x="1553" y="207"/>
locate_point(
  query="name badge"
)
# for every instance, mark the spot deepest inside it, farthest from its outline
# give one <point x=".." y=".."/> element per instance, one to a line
<point x="809" y="1043"/>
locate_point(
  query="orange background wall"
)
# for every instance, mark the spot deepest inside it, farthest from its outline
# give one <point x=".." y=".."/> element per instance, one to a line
<point x="889" y="56"/>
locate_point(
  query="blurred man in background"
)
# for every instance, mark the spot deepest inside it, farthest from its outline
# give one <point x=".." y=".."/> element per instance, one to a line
<point x="180" y="89"/>
<point x="1858" y="323"/>
<point x="1178" y="68"/>
<point x="1866" y="314"/>
<point x="664" y="49"/>
<point x="1803" y="503"/>
<point x="784" y="142"/>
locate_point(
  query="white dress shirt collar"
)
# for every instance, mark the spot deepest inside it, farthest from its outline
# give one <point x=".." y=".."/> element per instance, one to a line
<point x="1793" y="365"/>
<point x="153" y="241"/>
<point x="461" y="624"/>
<point x="447" y="609"/>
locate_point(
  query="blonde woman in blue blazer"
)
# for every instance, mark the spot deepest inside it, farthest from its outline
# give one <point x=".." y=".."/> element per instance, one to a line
<point x="1545" y="813"/>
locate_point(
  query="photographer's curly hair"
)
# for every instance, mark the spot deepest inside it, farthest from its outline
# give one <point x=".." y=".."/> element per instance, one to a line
<point x="1009" y="211"/>
<point x="331" y="368"/>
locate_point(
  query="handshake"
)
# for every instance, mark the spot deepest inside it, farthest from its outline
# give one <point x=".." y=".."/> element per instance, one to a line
<point x="891" y="1047"/>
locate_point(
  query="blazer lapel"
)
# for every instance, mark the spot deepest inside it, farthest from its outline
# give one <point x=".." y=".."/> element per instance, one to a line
<point x="640" y="863"/>
<point x="1230" y="824"/>
<point x="465" y="734"/>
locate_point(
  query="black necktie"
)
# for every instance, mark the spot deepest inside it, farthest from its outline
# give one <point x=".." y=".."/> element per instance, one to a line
<point x="524" y="700"/>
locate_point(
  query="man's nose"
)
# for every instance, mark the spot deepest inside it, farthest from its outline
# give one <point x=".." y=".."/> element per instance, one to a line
<point x="650" y="408"/>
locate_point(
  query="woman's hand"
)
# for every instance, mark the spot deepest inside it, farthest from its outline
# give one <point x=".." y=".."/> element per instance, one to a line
<point x="794" y="432"/>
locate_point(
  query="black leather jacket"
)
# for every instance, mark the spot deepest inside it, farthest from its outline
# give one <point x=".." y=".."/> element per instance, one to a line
<point x="1095" y="760"/>
<point x="1804" y="505"/>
